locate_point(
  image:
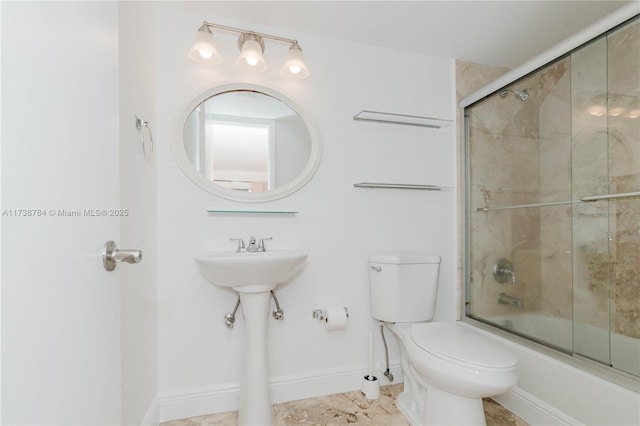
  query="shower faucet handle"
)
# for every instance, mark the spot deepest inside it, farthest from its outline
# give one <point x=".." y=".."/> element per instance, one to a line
<point x="502" y="269"/>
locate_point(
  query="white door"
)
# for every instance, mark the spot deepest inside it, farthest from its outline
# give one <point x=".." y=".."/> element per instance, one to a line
<point x="60" y="308"/>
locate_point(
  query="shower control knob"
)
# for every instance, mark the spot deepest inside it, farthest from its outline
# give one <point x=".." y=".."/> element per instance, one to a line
<point x="503" y="271"/>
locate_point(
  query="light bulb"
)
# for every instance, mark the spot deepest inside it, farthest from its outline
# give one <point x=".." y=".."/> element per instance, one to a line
<point x="294" y="65"/>
<point x="251" y="48"/>
<point x="204" y="50"/>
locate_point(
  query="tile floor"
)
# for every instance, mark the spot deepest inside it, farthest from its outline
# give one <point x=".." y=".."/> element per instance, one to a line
<point x="347" y="408"/>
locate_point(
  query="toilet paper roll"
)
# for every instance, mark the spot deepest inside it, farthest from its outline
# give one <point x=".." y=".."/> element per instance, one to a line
<point x="335" y="318"/>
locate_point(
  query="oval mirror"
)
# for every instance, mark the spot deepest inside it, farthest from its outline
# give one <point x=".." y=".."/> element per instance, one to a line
<point x="247" y="143"/>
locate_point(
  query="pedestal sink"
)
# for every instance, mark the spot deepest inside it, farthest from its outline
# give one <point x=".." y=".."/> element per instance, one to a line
<point x="253" y="276"/>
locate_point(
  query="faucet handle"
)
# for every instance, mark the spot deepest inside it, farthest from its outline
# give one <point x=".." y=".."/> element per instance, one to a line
<point x="241" y="245"/>
<point x="261" y="243"/>
<point x="502" y="269"/>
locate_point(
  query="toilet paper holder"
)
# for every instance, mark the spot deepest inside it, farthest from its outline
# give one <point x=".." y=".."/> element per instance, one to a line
<point x="320" y="314"/>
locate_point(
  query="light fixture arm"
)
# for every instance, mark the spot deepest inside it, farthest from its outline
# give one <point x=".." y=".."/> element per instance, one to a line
<point x="241" y="31"/>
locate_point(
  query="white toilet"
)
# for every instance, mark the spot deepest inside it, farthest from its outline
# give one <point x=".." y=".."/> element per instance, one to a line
<point x="448" y="368"/>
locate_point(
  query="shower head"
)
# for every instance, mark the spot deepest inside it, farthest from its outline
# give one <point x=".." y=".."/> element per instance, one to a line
<point x="523" y="94"/>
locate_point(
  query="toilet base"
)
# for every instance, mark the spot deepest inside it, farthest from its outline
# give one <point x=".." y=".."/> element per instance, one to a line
<point x="442" y="408"/>
<point x="409" y="408"/>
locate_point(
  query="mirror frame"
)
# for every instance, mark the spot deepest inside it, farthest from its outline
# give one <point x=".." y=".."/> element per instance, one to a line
<point x="180" y="155"/>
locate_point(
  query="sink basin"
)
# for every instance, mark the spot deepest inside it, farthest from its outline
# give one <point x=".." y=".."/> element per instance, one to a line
<point x="250" y="272"/>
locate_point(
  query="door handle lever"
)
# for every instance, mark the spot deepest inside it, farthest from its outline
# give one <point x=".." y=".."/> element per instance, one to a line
<point x="111" y="256"/>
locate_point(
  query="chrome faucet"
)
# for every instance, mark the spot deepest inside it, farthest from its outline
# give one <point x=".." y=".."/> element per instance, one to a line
<point x="505" y="299"/>
<point x="253" y="246"/>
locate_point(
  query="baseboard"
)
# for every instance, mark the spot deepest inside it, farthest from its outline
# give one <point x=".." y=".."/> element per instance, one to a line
<point x="318" y="383"/>
<point x="533" y="410"/>
<point x="152" y="418"/>
<point x="216" y="399"/>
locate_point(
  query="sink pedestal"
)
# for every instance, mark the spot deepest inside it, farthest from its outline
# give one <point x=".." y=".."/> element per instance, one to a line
<point x="253" y="275"/>
<point x="255" y="399"/>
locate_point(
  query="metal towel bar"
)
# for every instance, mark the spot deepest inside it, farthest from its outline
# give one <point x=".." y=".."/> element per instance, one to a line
<point x="560" y="203"/>
<point x="610" y="196"/>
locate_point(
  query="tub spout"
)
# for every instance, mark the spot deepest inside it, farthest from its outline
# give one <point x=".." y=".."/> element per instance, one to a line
<point x="505" y="299"/>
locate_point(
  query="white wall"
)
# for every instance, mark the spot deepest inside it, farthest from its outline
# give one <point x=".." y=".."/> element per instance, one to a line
<point x="138" y="229"/>
<point x="199" y="360"/>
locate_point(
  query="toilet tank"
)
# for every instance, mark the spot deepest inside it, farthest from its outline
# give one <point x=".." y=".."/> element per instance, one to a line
<point x="403" y="286"/>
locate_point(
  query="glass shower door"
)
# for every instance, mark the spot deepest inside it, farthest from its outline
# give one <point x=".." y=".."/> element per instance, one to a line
<point x="623" y="111"/>
<point x="553" y="187"/>
<point x="590" y="221"/>
<point x="519" y="151"/>
<point x="606" y="160"/>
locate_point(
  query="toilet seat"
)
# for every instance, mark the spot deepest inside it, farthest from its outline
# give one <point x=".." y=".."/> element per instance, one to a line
<point x="461" y="346"/>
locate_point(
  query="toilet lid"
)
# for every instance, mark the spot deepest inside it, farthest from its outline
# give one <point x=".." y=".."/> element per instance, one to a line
<point x="454" y="342"/>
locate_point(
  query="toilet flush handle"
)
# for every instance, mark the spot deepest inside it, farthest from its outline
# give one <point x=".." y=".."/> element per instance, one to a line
<point x="376" y="268"/>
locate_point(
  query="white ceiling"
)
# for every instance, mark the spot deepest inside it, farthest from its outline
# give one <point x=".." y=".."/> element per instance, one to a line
<point x="504" y="33"/>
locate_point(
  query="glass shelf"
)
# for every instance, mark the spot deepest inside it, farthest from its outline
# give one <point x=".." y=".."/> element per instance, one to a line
<point x="400" y="186"/>
<point x="231" y="211"/>
<point x="402" y="119"/>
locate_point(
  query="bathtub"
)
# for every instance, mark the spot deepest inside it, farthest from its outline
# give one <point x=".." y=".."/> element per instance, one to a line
<point x="555" y="388"/>
<point x="579" y="338"/>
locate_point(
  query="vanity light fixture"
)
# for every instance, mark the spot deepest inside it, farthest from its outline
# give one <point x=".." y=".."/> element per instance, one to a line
<point x="294" y="66"/>
<point x="251" y="45"/>
<point x="203" y="50"/>
<point x="251" y="48"/>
